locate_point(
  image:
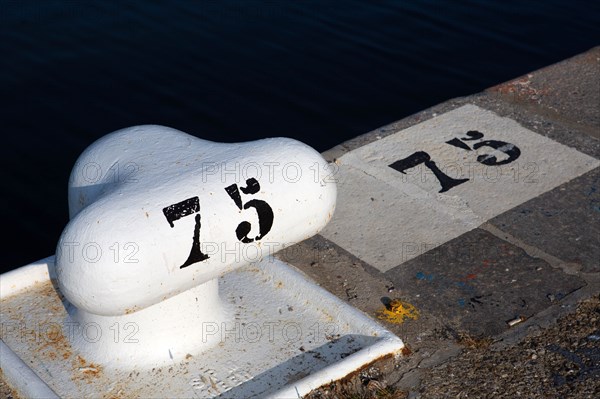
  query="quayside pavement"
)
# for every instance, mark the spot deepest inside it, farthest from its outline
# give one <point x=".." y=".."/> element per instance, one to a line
<point x="474" y="226"/>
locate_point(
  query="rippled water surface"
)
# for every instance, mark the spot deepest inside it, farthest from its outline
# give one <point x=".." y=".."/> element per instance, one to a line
<point x="321" y="72"/>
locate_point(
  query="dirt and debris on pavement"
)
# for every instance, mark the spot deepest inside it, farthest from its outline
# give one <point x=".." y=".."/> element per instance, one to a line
<point x="562" y="361"/>
<point x="6" y="391"/>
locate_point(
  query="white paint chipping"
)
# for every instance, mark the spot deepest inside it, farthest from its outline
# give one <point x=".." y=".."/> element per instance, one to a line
<point x="386" y="217"/>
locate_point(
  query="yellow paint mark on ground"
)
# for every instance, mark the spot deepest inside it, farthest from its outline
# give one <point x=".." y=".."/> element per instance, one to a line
<point x="397" y="311"/>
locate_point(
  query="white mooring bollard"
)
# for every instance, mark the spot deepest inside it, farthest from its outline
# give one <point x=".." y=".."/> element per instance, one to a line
<point x="163" y="285"/>
<point x="158" y="215"/>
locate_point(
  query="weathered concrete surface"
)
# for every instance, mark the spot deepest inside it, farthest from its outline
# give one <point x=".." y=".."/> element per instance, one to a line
<point x="477" y="283"/>
<point x="495" y="286"/>
<point x="568" y="91"/>
<point x="489" y="165"/>
<point x="562" y="361"/>
<point x="562" y="222"/>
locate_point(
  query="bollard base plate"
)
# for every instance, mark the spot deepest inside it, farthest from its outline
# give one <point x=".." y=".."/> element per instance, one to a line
<point x="287" y="337"/>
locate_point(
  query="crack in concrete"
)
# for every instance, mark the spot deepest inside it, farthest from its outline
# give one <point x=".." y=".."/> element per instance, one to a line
<point x="534" y="252"/>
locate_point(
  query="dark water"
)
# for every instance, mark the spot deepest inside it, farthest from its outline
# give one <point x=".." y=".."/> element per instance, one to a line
<point x="321" y="72"/>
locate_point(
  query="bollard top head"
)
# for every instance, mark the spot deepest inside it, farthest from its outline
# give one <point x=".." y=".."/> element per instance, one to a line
<point x="155" y="212"/>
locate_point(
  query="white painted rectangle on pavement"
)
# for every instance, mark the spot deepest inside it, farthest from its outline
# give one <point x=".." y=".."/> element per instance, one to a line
<point x="409" y="192"/>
